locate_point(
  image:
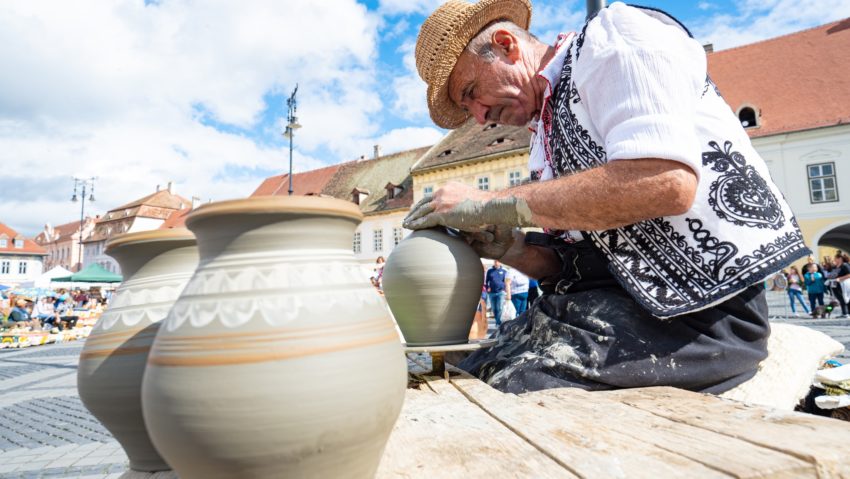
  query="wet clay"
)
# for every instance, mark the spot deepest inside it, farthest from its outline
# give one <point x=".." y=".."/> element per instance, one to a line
<point x="470" y="215"/>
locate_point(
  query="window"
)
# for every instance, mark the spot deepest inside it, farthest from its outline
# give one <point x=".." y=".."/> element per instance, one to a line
<point x="747" y="116"/>
<point x="822" y="187"/>
<point x="377" y="240"/>
<point x="4" y="267"/>
<point x="484" y="183"/>
<point x="19" y="243"/>
<point x="4" y="243"/>
<point x="428" y="191"/>
<point x="22" y="267"/>
<point x="357" y="242"/>
<point x="514" y="178"/>
<point x="398" y="235"/>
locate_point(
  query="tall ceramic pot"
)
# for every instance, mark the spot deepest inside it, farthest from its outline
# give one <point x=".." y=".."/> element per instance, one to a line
<point x="279" y="359"/>
<point x="432" y="282"/>
<point x="156" y="266"/>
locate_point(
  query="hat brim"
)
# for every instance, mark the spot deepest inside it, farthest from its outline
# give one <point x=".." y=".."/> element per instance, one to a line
<point x="444" y="112"/>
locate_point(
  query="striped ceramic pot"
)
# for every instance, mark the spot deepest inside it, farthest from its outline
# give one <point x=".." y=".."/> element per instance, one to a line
<point x="156" y="266"/>
<point x="279" y="359"/>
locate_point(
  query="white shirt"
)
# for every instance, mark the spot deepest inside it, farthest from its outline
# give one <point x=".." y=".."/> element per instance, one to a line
<point x="519" y="282"/>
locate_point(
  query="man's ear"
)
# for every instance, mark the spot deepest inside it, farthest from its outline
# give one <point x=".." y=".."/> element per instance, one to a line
<point x="506" y="43"/>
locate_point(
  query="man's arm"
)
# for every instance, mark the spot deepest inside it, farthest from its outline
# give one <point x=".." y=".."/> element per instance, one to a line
<point x="616" y="194"/>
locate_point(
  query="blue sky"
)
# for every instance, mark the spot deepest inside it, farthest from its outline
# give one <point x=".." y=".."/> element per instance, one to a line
<point x="140" y="93"/>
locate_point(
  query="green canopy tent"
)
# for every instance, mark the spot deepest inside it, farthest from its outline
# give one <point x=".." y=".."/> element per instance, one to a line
<point x="93" y="273"/>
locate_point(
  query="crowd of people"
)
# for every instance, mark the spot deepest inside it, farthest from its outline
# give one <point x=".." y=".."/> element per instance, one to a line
<point x="827" y="285"/>
<point x="54" y="310"/>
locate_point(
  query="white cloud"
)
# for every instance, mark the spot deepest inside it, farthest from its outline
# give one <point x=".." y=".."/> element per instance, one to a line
<point x="110" y="89"/>
<point x="762" y="19"/>
<point x="406" y="7"/>
<point x="706" y="6"/>
<point x="408" y="89"/>
<point x="552" y="17"/>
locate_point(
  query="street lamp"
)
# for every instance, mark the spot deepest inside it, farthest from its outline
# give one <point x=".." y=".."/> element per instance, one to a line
<point x="82" y="183"/>
<point x="291" y="125"/>
<point x="593" y="7"/>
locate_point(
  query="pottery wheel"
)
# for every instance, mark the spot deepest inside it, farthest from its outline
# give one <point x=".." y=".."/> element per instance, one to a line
<point x="438" y="363"/>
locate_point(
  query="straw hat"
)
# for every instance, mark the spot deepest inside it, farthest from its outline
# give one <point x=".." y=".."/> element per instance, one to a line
<point x="442" y="39"/>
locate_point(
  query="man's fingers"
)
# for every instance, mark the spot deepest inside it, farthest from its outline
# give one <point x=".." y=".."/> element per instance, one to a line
<point x="421" y="209"/>
<point x="480" y="236"/>
<point x="428" y="221"/>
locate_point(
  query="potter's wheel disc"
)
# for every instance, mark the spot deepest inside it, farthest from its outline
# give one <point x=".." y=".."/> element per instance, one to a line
<point x="467" y="346"/>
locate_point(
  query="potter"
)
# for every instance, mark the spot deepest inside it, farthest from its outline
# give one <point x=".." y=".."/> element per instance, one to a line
<point x="156" y="265"/>
<point x="661" y="218"/>
<point x="258" y="370"/>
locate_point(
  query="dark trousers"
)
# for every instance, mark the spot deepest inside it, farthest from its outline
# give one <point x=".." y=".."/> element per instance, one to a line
<point x="814" y="299"/>
<point x="589" y="333"/>
<point x="839" y="296"/>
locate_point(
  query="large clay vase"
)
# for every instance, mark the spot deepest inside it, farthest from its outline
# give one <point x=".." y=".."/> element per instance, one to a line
<point x="279" y="359"/>
<point x="432" y="282"/>
<point x="156" y="266"/>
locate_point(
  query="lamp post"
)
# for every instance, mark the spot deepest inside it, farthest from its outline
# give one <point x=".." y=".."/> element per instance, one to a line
<point x="291" y="126"/>
<point x="82" y="183"/>
<point x="593" y="7"/>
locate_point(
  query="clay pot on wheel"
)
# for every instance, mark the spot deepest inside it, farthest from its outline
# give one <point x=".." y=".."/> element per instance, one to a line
<point x="156" y="266"/>
<point x="432" y="282"/>
<point x="279" y="359"/>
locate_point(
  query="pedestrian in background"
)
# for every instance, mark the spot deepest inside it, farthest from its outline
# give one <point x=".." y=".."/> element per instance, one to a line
<point x="517" y="290"/>
<point x="841" y="282"/>
<point x="495" y="284"/>
<point x="814" y="287"/>
<point x="795" y="289"/>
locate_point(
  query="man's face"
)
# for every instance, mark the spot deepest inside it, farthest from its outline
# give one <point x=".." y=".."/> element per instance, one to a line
<point x="496" y="92"/>
<point x="497" y="264"/>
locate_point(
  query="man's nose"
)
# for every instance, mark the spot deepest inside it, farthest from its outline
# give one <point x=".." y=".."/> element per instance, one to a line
<point x="478" y="111"/>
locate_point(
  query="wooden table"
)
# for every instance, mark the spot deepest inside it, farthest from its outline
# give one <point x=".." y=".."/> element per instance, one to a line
<point x="461" y="428"/>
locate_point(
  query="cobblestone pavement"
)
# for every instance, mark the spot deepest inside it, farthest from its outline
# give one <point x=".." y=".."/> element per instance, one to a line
<point x="46" y="432"/>
<point x="44" y="429"/>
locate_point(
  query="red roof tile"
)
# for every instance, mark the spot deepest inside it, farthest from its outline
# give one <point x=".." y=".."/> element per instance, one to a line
<point x="176" y="219"/>
<point x="794" y="82"/>
<point x="30" y="246"/>
<point x="307" y="183"/>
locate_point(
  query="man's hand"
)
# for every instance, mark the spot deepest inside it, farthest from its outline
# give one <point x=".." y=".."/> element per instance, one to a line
<point x="494" y="241"/>
<point x="468" y="209"/>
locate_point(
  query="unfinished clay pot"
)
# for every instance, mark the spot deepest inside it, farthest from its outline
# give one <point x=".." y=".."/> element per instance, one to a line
<point x="432" y="282"/>
<point x="279" y="359"/>
<point x="156" y="266"/>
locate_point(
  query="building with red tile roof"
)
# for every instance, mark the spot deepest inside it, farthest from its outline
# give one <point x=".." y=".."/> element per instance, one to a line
<point x="21" y="259"/>
<point x="792" y="93"/>
<point x="306" y="183"/>
<point x="146" y="213"/>
<point x="62" y="243"/>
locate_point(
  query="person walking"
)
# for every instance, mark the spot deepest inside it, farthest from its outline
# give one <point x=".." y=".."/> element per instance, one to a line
<point x="517" y="288"/>
<point x="841" y="282"/>
<point x="795" y="289"/>
<point x="495" y="284"/>
<point x="814" y="287"/>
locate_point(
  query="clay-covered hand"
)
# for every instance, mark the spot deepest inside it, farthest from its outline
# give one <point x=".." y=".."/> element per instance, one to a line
<point x="468" y="209"/>
<point x="494" y="241"/>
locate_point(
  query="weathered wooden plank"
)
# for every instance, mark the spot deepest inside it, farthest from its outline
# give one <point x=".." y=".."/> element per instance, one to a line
<point x="815" y="439"/>
<point x="597" y="437"/>
<point x="715" y="450"/>
<point x="440" y="433"/>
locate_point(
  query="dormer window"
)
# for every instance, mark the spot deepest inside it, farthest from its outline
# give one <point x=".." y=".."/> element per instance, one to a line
<point x="4" y="243"/>
<point x="358" y="195"/>
<point x="393" y="191"/>
<point x="500" y="141"/>
<point x="19" y="243"/>
<point x="747" y="116"/>
<point x="490" y="126"/>
<point x="445" y="154"/>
